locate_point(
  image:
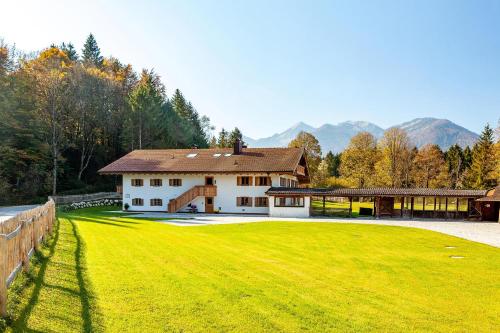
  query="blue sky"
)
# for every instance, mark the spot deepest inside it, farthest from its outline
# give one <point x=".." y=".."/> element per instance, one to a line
<point x="265" y="65"/>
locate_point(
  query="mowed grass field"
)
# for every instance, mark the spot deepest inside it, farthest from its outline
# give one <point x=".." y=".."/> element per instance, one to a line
<point x="103" y="272"/>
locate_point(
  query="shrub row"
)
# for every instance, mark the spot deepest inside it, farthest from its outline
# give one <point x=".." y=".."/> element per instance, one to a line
<point x="93" y="203"/>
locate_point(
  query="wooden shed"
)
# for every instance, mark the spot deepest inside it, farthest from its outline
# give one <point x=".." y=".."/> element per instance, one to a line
<point x="489" y="205"/>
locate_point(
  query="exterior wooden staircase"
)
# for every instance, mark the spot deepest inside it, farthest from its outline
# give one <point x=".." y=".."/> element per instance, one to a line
<point x="196" y="191"/>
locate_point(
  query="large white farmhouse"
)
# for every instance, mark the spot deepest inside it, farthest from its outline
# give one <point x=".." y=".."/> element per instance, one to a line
<point x="213" y="180"/>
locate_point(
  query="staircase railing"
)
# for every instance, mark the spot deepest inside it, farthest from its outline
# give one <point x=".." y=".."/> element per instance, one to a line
<point x="196" y="191"/>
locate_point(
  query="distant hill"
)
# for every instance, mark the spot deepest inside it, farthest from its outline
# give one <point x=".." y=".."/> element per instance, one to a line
<point x="336" y="137"/>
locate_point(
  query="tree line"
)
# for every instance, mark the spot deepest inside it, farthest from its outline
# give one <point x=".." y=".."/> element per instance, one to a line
<point x="393" y="161"/>
<point x="64" y="115"/>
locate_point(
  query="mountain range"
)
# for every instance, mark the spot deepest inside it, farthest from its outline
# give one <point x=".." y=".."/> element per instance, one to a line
<point x="421" y="131"/>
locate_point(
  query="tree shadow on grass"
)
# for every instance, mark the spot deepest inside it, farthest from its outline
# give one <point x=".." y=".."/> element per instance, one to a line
<point x="106" y="221"/>
<point x="91" y="316"/>
<point x="44" y="260"/>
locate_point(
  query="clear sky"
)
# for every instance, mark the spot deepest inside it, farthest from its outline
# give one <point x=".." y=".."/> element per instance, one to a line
<point x="265" y="65"/>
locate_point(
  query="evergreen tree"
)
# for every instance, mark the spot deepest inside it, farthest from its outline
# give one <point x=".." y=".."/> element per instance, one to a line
<point x="91" y="53"/>
<point x="467" y="157"/>
<point x="223" y="140"/>
<point x="333" y="162"/>
<point x="456" y="166"/>
<point x="482" y="170"/>
<point x="235" y="135"/>
<point x="70" y="51"/>
<point x="195" y="126"/>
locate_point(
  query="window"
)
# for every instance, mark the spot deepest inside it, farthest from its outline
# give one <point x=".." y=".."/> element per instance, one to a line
<point x="261" y="202"/>
<point x="137" y="202"/>
<point x="175" y="182"/>
<point x="156" y="202"/>
<point x="282" y="182"/>
<point x="155" y="182"/>
<point x="244" y="181"/>
<point x="244" y="201"/>
<point x="137" y="182"/>
<point x="262" y="181"/>
<point x="286" y="182"/>
<point x="289" y="201"/>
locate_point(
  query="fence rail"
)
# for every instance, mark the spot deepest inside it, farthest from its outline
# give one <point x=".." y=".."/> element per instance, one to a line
<point x="68" y="199"/>
<point x="20" y="236"/>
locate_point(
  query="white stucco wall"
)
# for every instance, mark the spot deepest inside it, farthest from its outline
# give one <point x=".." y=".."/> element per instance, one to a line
<point x="225" y="201"/>
<point x="290" y="211"/>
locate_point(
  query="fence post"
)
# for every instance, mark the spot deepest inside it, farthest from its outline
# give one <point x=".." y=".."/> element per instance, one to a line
<point x="25" y="235"/>
<point x="3" y="276"/>
<point x="36" y="237"/>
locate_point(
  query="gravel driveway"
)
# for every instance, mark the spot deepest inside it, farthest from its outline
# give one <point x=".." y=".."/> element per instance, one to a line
<point x="7" y="212"/>
<point x="482" y="232"/>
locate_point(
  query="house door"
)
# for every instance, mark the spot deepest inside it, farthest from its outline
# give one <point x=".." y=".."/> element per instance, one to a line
<point x="209" y="204"/>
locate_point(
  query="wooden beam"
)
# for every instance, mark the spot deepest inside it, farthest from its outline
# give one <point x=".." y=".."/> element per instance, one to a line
<point x="446" y="208"/>
<point x="324" y="212"/>
<point x="434" y="210"/>
<point x="3" y="276"/>
<point x="423" y="204"/>
<point x="350" y="206"/>
<point x="402" y="205"/>
<point x="468" y="207"/>
<point x="411" y="206"/>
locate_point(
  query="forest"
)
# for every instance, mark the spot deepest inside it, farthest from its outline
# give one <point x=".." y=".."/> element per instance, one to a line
<point x="66" y="114"/>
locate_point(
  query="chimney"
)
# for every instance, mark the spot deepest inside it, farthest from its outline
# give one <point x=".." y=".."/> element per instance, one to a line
<point x="238" y="147"/>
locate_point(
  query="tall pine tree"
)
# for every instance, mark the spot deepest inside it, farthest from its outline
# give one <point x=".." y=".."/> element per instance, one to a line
<point x="91" y="53"/>
<point x="482" y="170"/>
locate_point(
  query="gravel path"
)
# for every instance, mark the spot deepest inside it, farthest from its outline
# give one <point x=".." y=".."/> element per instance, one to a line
<point x="482" y="232"/>
<point x="7" y="212"/>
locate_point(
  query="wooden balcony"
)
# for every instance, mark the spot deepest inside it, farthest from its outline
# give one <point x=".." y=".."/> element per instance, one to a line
<point x="174" y="205"/>
<point x="301" y="170"/>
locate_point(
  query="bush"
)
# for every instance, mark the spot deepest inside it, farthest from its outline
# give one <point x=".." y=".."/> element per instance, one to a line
<point x="93" y="203"/>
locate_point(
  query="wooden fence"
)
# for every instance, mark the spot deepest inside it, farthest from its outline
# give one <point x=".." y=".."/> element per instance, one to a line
<point x="68" y="199"/>
<point x="20" y="236"/>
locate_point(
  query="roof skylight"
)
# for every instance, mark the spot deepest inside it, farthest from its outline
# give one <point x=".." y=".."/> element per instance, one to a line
<point x="191" y="155"/>
<point x="217" y="155"/>
<point x="227" y="154"/>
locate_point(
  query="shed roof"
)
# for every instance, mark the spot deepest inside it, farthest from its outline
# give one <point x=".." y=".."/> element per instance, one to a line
<point x="381" y="191"/>
<point x="491" y="195"/>
<point x="216" y="160"/>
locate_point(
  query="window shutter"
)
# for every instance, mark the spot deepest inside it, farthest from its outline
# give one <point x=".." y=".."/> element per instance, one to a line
<point x="250" y="181"/>
<point x="269" y="181"/>
<point x="250" y="202"/>
<point x="238" y="181"/>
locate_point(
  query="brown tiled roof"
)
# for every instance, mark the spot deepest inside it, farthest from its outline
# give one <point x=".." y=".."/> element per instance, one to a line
<point x="388" y="192"/>
<point x="177" y="161"/>
<point x="491" y="195"/>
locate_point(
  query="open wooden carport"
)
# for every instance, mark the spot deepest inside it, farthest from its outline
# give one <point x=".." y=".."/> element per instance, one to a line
<point x="400" y="202"/>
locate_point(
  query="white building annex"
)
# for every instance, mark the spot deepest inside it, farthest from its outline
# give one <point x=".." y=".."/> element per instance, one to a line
<point x="213" y="180"/>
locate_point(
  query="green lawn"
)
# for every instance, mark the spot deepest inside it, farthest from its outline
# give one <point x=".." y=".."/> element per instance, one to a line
<point x="104" y="272"/>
